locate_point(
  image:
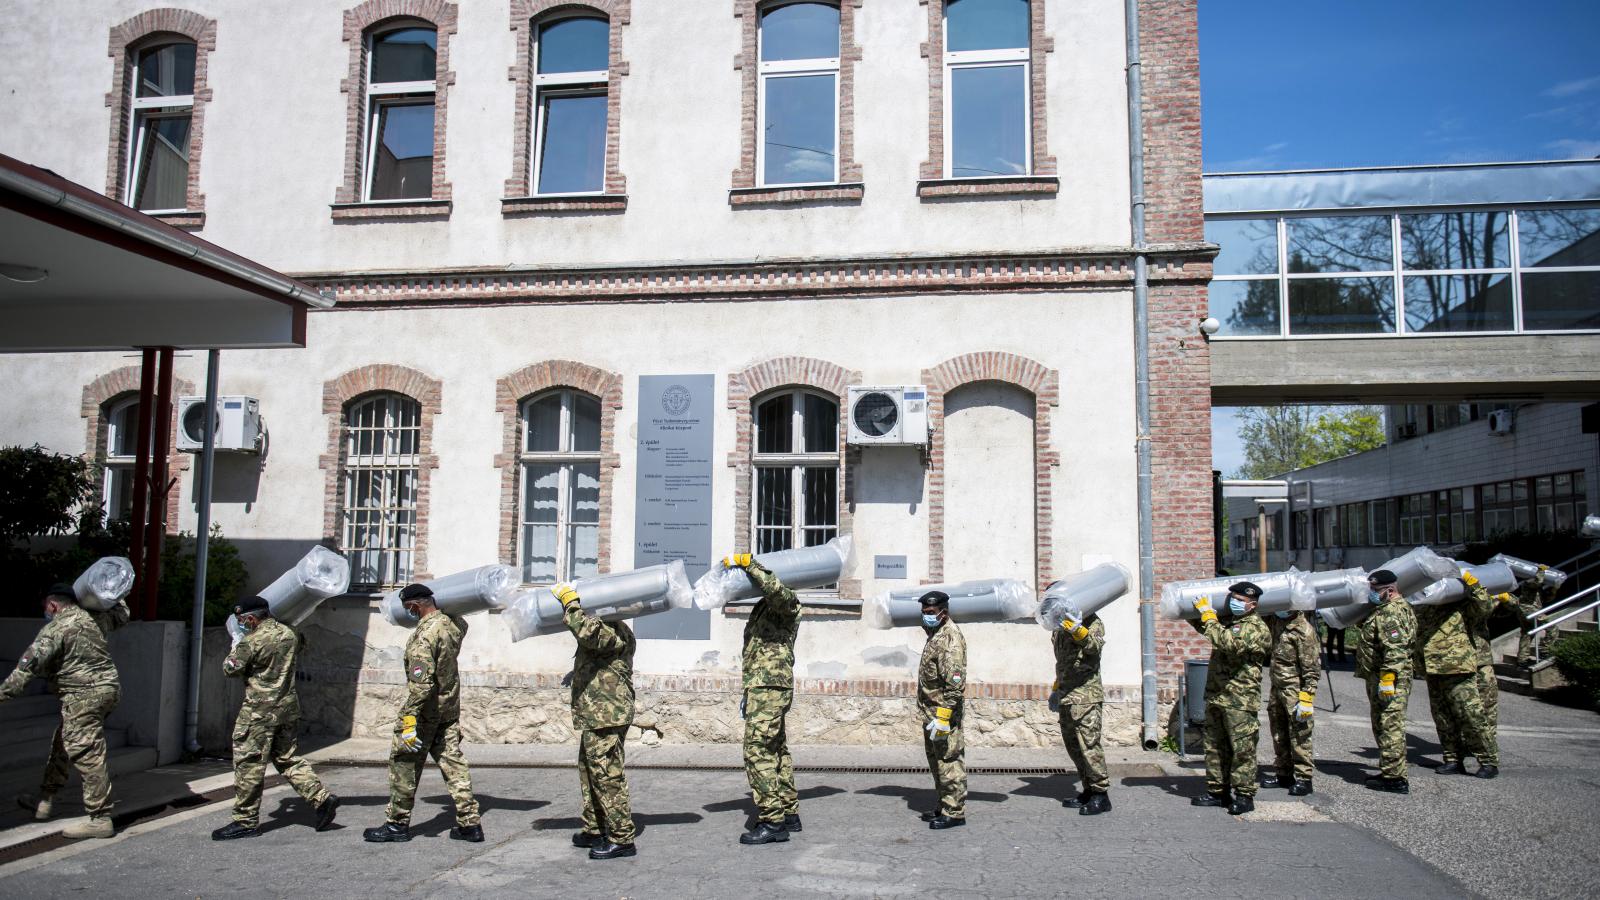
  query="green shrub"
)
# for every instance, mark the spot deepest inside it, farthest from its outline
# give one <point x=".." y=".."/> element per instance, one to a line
<point x="1578" y="659"/>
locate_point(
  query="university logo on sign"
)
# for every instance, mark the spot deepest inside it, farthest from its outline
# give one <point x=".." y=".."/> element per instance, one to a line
<point x="676" y="400"/>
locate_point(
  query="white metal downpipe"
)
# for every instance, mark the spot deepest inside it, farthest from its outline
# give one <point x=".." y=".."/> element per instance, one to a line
<point x="202" y="551"/>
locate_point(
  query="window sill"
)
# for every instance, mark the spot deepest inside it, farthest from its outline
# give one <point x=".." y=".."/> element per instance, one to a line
<point x="515" y="206"/>
<point x="420" y="210"/>
<point x="1036" y="185"/>
<point x="782" y="195"/>
<point x="188" y="219"/>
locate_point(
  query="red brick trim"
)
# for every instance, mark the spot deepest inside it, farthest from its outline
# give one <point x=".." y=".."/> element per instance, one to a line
<point x="519" y="186"/>
<point x="336" y="395"/>
<point x="357" y="21"/>
<point x="747" y="63"/>
<point x="1040" y="42"/>
<point x="125" y="41"/>
<point x="509" y="393"/>
<point x="427" y="210"/>
<point x="100" y="395"/>
<point x="1045" y="385"/>
<point x="789" y="372"/>
<point x="1043" y="186"/>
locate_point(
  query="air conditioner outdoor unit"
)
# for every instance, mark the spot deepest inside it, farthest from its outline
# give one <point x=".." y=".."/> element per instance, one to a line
<point x="1502" y="421"/>
<point x="238" y="424"/>
<point x="888" y="416"/>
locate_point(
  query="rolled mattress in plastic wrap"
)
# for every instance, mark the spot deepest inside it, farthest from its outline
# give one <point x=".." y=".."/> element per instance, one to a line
<point x="1591" y="526"/>
<point x="805" y="567"/>
<point x="318" y="575"/>
<point x="104" y="583"/>
<point x="623" y="595"/>
<point x="1346" y="616"/>
<point x="1495" y="577"/>
<point x="1527" y="571"/>
<point x="1418" y="569"/>
<point x="1336" y="587"/>
<point x="983" y="600"/>
<point x="1082" y="595"/>
<point x="461" y="594"/>
<point x="1279" y="591"/>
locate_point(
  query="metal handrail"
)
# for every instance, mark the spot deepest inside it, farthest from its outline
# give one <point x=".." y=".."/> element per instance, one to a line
<point x="1572" y="559"/>
<point x="1564" y="601"/>
<point x="1574" y="613"/>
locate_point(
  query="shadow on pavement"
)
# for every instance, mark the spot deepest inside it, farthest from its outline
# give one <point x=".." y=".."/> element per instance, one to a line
<point x="923" y="799"/>
<point x="748" y="806"/>
<point x="641" y="821"/>
<point x="1176" y="785"/>
<point x="1056" y="787"/>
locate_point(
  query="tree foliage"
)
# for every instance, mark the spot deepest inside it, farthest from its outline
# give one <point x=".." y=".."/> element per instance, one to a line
<point x="41" y="493"/>
<point x="1280" y="439"/>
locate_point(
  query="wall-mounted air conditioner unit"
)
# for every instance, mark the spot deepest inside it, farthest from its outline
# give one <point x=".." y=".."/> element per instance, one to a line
<point x="888" y="416"/>
<point x="1502" y="421"/>
<point x="238" y="424"/>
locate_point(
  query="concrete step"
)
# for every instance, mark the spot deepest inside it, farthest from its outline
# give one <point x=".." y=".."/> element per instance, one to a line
<point x="25" y="779"/>
<point x="1513" y="684"/>
<point x="35" y="750"/>
<point x="27" y="707"/>
<point x="23" y="731"/>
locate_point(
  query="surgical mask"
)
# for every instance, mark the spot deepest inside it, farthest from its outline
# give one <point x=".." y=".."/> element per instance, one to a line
<point x="930" y="622"/>
<point x="1236" y="608"/>
<point x="245" y="627"/>
<point x="1283" y="614"/>
<point x="1374" y="598"/>
<point x="49" y="616"/>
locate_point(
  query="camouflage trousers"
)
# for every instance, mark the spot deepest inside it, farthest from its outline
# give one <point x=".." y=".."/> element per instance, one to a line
<point x="603" y="784"/>
<point x="1525" y="641"/>
<point x="254" y="745"/>
<point x="1389" y="725"/>
<point x="1457" y="708"/>
<point x="1231" y="739"/>
<point x="1080" y="731"/>
<point x="767" y="763"/>
<point x="80" y="743"/>
<point x="947" y="761"/>
<point x="442" y="740"/>
<point x="1489" y="692"/>
<point x="1291" y="737"/>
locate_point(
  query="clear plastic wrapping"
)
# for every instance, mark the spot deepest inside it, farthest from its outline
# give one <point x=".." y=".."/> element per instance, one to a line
<point x="1527" y="571"/>
<point x="1336" y="587"/>
<point x="805" y="567"/>
<point x="1082" y="595"/>
<point x="983" y="600"/>
<point x="318" y="575"/>
<point x="104" y="583"/>
<point x="1591" y="526"/>
<point x="1494" y="577"/>
<point x="1279" y="591"/>
<point x="461" y="594"/>
<point x="1418" y="569"/>
<point x="622" y="595"/>
<point x="1346" y="616"/>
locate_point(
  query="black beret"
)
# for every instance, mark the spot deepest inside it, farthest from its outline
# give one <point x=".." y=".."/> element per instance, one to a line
<point x="62" y="589"/>
<point x="1381" y="578"/>
<point x="250" y="605"/>
<point x="415" y="592"/>
<point x="936" y="598"/>
<point x="1246" y="589"/>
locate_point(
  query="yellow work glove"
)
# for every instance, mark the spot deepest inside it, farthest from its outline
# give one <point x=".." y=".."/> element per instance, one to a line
<point x="737" y="561"/>
<point x="408" y="734"/>
<point x="566" y="593"/>
<point x="1304" y="709"/>
<point x="1469" y="579"/>
<point x="1055" y="697"/>
<point x="1386" y="684"/>
<point x="939" y="725"/>
<point x="1074" y="629"/>
<point x="1203" y="607"/>
<point x="1503" y="598"/>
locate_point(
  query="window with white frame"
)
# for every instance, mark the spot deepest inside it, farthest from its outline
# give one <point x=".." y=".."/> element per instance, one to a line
<point x="560" y="462"/>
<point x="798" y="95"/>
<point x="401" y="66"/>
<point x="163" y="107"/>
<point x="121" y="450"/>
<point x="795" y="466"/>
<point x="571" y="60"/>
<point x="987" y="116"/>
<point x="383" y="459"/>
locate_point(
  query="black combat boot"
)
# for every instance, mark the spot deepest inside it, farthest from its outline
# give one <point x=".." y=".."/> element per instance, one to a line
<point x="1241" y="804"/>
<point x="1076" y="801"/>
<point x="1210" y="800"/>
<point x="586" y="840"/>
<point x="609" y="850"/>
<point x="765" y="833"/>
<point x="1392" y="785"/>
<point x="1300" y="788"/>
<point x="1453" y="767"/>
<point x="233" y="831"/>
<point x="930" y="815"/>
<point x="1488" y="771"/>
<point x="472" y="833"/>
<point x="1098" y="802"/>
<point x="1285" y="781"/>
<point x="941" y="821"/>
<point x="326" y="811"/>
<point x="388" y="832"/>
<point x="791" y="824"/>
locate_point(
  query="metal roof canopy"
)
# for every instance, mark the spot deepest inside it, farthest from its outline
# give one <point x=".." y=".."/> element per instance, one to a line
<point x="1403" y="187"/>
<point x="121" y="280"/>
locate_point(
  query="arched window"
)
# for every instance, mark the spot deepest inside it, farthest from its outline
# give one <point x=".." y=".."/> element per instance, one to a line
<point x="121" y="450"/>
<point x="797" y="116"/>
<point x="571" y="62"/>
<point x="162" y="105"/>
<point x="560" y="509"/>
<point x="401" y="66"/>
<point x="795" y="466"/>
<point x="382" y="465"/>
<point x="987" y="111"/>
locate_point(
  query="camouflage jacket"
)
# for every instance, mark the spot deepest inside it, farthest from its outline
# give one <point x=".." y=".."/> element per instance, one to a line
<point x="1296" y="657"/>
<point x="942" y="673"/>
<point x="602" y="671"/>
<point x="1238" y="651"/>
<point x="1385" y="641"/>
<point x="265" y="659"/>
<point x="433" y="684"/>
<point x="1444" y="634"/>
<point x="70" y="651"/>
<point x="1078" y="665"/>
<point x="769" y="635"/>
<point x="1532" y="596"/>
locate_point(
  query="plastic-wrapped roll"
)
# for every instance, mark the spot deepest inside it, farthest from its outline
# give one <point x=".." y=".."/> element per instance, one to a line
<point x="1591" y="526"/>
<point x="1279" y="591"/>
<point x="983" y="600"/>
<point x="1337" y="587"/>
<point x="801" y="568"/>
<point x="105" y="583"/>
<point x="1346" y="616"/>
<point x="461" y="594"/>
<point x="1082" y="595"/>
<point x="623" y="595"/>
<point x="318" y="575"/>
<point x="1418" y="569"/>
<point x="1527" y="571"/>
<point x="1495" y="577"/>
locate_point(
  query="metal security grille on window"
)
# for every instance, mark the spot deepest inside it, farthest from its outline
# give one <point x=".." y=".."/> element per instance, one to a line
<point x="382" y="440"/>
<point x="163" y="106"/>
<point x="560" y="510"/>
<point x="796" y="471"/>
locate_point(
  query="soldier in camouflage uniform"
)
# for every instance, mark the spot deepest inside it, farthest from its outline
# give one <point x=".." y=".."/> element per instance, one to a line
<point x="768" y="665"/>
<point x="1383" y="658"/>
<point x="1488" y="681"/>
<point x="1078" y="697"/>
<point x="71" y="652"/>
<point x="941" y="687"/>
<point x="1532" y="596"/>
<point x="1233" y="698"/>
<point x="1296" y="669"/>
<point x="430" y="722"/>
<point x="602" y="710"/>
<point x="268" y="719"/>
<point x="1445" y="650"/>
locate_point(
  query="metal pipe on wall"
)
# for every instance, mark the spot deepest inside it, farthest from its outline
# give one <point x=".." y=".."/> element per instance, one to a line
<point x="202" y="550"/>
<point x="139" y="511"/>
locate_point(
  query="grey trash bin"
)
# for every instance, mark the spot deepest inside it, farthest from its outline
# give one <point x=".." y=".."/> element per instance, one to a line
<point x="1194" y="677"/>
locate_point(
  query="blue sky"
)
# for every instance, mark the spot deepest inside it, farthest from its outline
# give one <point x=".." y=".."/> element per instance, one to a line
<point x="1321" y="84"/>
